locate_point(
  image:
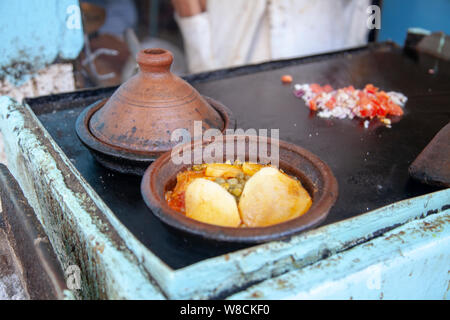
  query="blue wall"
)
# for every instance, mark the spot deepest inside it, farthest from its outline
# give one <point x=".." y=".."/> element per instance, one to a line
<point x="33" y="33"/>
<point x="399" y="15"/>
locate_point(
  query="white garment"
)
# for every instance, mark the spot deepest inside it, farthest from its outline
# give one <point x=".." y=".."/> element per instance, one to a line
<point x="237" y="32"/>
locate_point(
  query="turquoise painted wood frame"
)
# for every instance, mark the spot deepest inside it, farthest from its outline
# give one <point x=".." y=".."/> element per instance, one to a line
<point x="398" y="251"/>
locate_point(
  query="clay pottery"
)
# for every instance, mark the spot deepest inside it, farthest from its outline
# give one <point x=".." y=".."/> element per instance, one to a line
<point x="134" y="126"/>
<point x="316" y="177"/>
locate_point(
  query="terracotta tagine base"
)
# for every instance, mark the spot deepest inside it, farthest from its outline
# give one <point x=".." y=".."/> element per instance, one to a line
<point x="315" y="175"/>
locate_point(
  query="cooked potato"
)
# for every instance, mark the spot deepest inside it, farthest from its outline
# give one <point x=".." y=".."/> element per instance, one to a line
<point x="251" y="168"/>
<point x="222" y="170"/>
<point x="270" y="197"/>
<point x="208" y="202"/>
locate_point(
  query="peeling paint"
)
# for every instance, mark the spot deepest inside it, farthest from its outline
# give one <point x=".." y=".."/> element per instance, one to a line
<point x="28" y="44"/>
<point x="69" y="219"/>
<point x="407" y="263"/>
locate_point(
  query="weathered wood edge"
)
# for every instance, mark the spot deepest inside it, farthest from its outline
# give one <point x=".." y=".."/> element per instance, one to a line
<point x="80" y="227"/>
<point x="270" y="260"/>
<point x="408" y="262"/>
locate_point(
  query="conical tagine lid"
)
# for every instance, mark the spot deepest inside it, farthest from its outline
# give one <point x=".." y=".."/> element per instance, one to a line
<point x="144" y="111"/>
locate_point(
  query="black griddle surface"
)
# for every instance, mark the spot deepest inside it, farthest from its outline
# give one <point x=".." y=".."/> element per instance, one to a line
<point x="371" y="165"/>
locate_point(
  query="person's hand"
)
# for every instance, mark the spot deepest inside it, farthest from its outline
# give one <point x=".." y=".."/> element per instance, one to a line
<point x="188" y="8"/>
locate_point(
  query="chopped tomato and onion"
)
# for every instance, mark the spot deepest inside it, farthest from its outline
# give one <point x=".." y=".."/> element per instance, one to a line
<point x="348" y="102"/>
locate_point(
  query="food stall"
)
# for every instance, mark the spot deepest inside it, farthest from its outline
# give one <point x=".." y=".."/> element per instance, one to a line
<point x="385" y="237"/>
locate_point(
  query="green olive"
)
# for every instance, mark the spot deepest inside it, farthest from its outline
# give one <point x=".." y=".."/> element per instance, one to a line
<point x="220" y="180"/>
<point x="236" y="191"/>
<point x="233" y="181"/>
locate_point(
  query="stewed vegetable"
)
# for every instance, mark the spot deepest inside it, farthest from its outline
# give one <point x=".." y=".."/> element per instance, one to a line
<point x="251" y="194"/>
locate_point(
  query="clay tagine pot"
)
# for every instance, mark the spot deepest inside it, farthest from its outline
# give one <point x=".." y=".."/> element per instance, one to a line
<point x="133" y="127"/>
<point x="315" y="175"/>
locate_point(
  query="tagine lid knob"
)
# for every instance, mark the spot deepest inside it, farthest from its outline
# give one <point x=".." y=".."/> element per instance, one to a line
<point x="154" y="60"/>
<point x="144" y="111"/>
